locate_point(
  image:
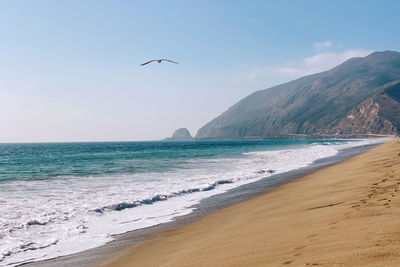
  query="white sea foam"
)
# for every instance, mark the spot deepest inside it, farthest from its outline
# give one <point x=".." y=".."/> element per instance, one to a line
<point x="43" y="219"/>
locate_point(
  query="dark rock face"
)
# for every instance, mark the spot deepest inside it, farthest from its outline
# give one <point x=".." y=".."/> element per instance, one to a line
<point x="359" y="97"/>
<point x="181" y="134"/>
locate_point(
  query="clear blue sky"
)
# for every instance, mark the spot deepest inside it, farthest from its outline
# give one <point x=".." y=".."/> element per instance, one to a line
<point x="69" y="70"/>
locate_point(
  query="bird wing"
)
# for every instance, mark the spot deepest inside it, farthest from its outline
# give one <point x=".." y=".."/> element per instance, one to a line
<point x="148" y="62"/>
<point x="169" y="60"/>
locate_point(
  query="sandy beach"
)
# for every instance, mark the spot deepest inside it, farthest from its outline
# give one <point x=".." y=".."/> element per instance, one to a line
<point x="344" y="215"/>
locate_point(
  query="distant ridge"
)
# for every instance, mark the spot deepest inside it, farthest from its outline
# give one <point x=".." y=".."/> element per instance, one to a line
<point x="360" y="97"/>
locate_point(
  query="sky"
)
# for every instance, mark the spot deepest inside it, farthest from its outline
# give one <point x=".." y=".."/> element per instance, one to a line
<point x="70" y="70"/>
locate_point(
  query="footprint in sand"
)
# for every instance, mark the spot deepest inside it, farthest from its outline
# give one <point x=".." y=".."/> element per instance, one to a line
<point x="313" y="235"/>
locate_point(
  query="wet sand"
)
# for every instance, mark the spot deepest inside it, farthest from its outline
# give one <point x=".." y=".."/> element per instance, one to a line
<point x="347" y="214"/>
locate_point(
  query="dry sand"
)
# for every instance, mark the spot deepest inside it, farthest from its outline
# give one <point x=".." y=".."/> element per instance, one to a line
<point x="347" y="214"/>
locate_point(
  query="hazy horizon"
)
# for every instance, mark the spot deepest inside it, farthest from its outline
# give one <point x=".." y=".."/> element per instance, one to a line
<point x="70" y="71"/>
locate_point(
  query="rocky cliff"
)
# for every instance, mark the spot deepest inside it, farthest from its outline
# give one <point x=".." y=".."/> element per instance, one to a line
<point x="359" y="97"/>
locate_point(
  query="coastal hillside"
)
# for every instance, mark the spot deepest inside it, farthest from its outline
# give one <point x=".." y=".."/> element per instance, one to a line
<point x="360" y="97"/>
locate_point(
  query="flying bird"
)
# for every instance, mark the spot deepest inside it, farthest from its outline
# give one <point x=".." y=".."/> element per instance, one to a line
<point x="159" y="61"/>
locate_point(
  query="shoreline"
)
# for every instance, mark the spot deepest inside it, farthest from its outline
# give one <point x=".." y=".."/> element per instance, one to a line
<point x="346" y="214"/>
<point x="206" y="207"/>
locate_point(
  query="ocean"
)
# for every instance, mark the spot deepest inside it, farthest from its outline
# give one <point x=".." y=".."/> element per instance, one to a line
<point x="62" y="198"/>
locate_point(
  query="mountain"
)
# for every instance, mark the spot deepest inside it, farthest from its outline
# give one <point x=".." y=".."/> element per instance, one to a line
<point x="181" y="134"/>
<point x="359" y="97"/>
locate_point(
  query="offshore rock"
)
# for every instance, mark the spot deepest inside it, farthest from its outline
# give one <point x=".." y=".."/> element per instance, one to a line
<point x="181" y="134"/>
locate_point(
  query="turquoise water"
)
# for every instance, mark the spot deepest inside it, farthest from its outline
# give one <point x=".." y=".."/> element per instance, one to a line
<point x="46" y="161"/>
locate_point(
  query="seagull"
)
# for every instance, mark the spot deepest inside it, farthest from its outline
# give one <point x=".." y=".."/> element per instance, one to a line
<point x="159" y="61"/>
